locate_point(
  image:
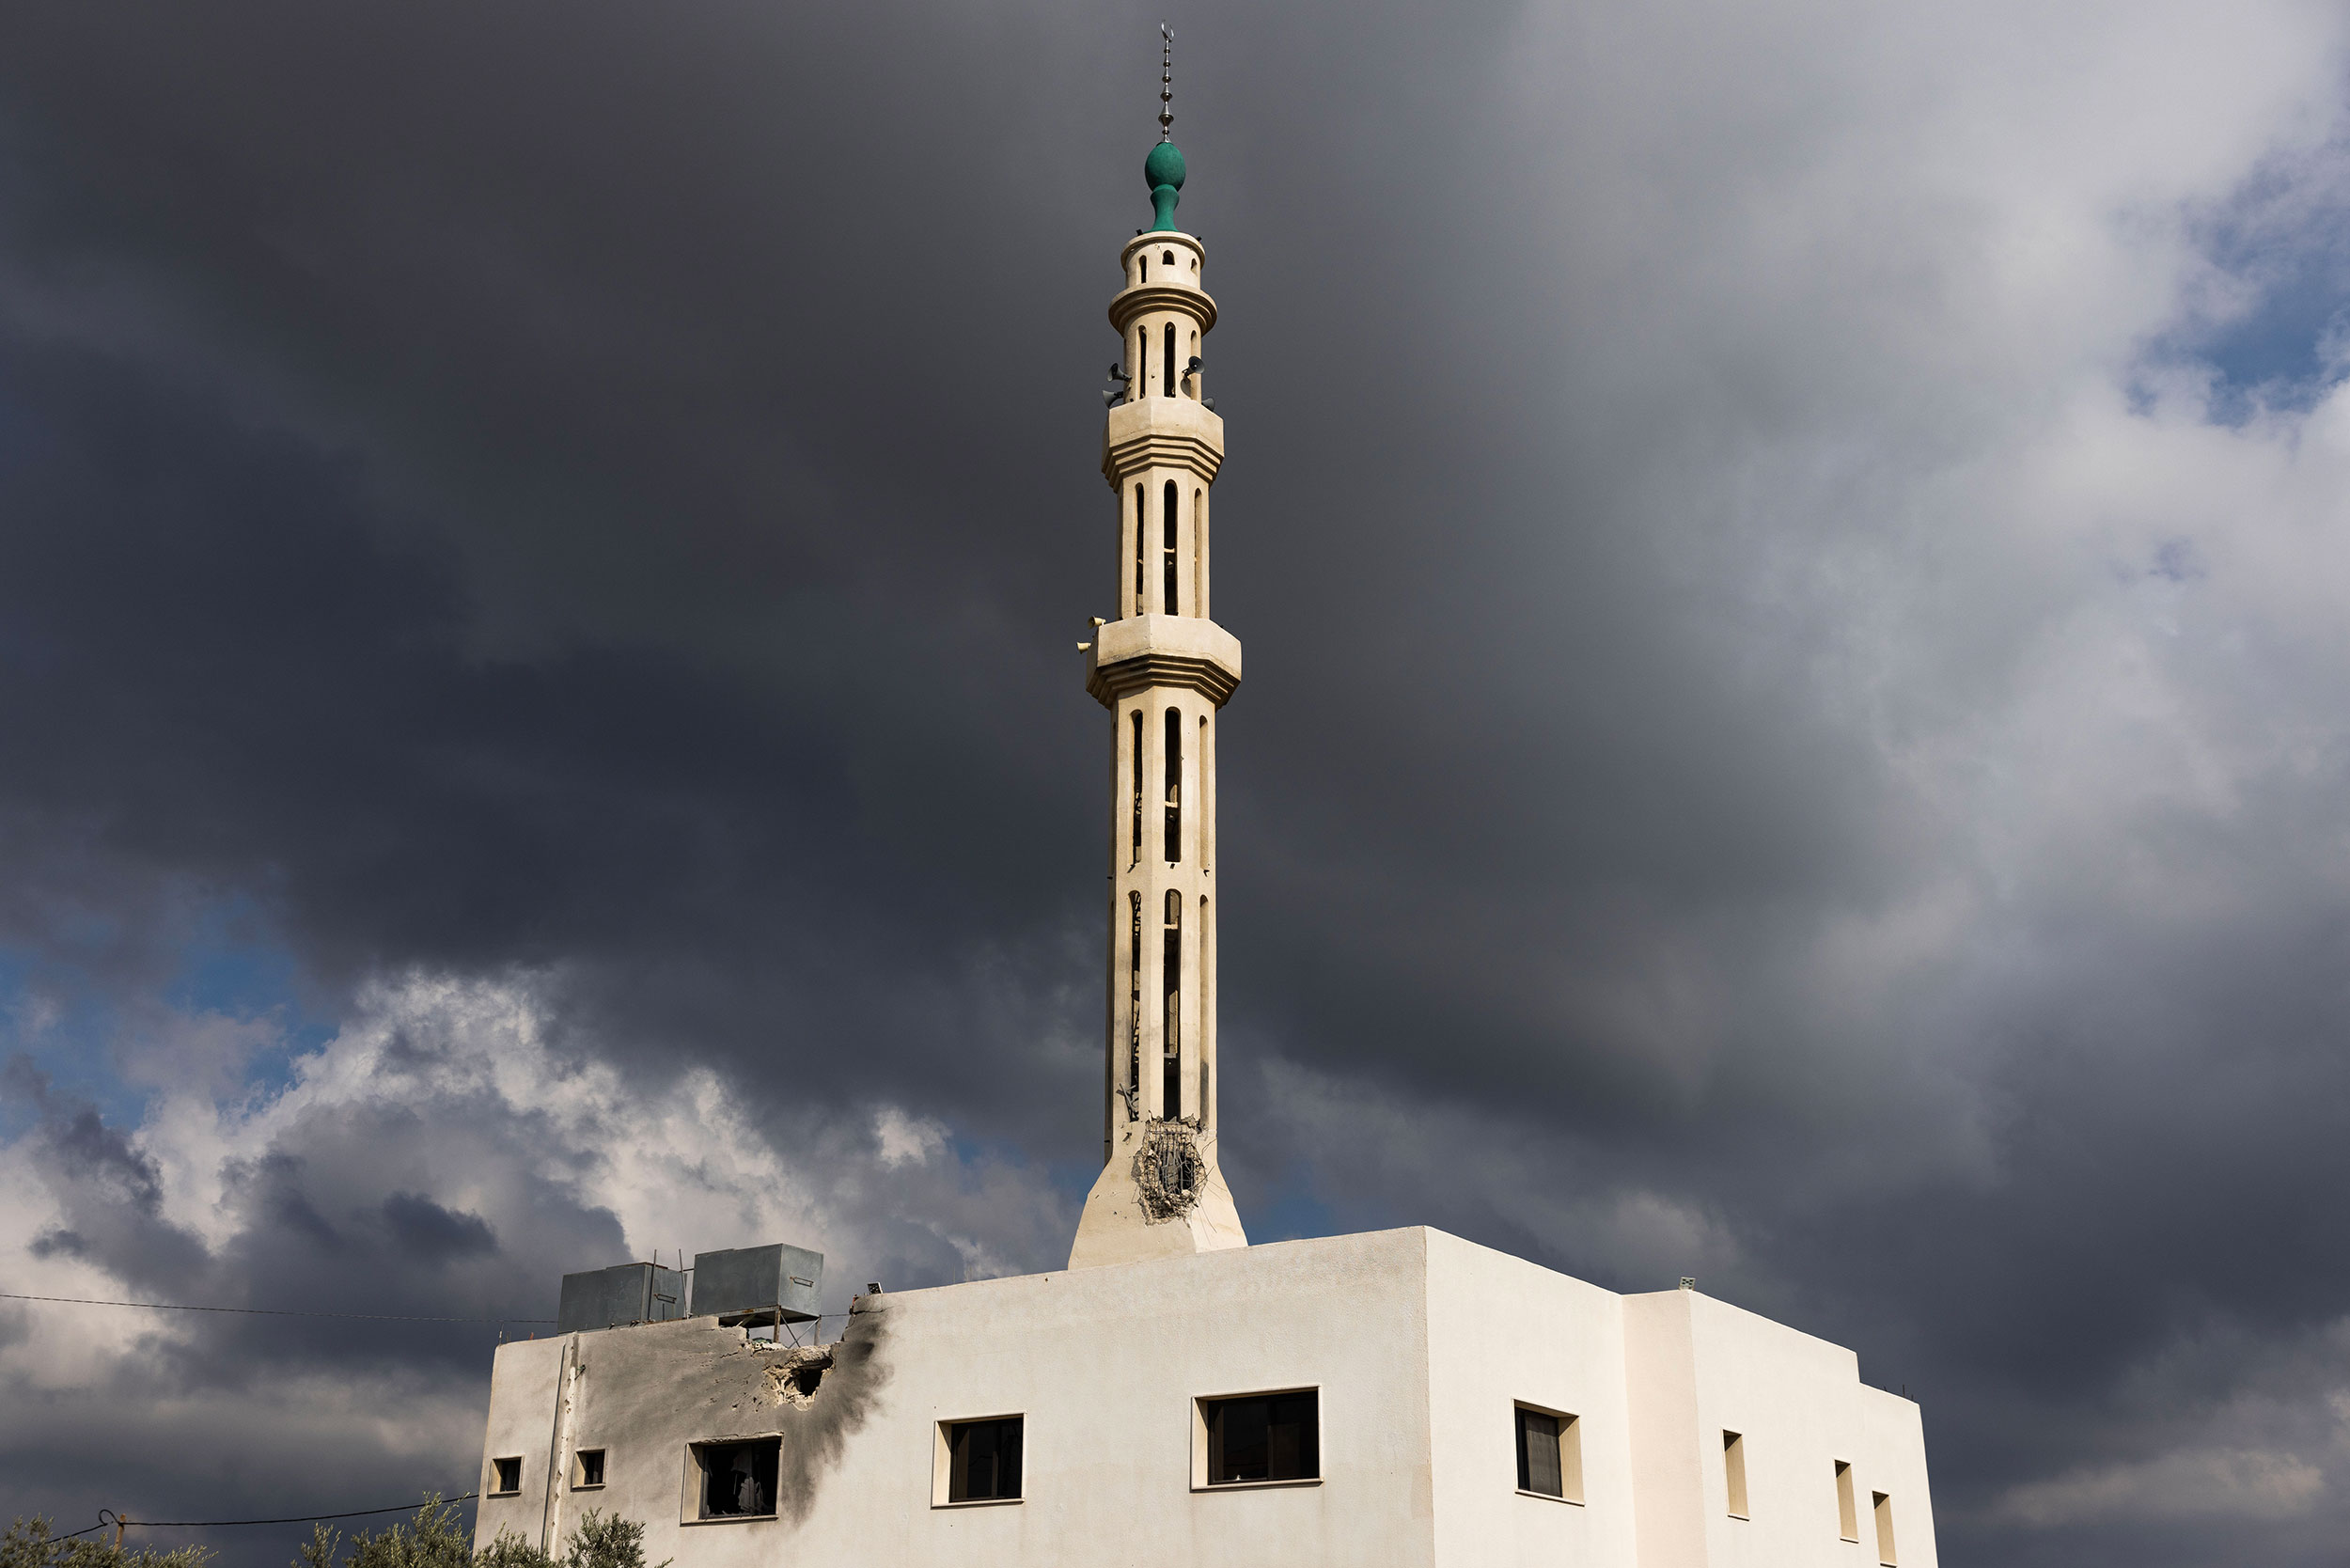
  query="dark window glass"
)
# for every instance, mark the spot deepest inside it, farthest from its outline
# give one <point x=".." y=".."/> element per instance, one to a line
<point x="739" y="1479"/>
<point x="1263" y="1438"/>
<point x="510" y="1474"/>
<point x="983" y="1460"/>
<point x="1538" y="1454"/>
<point x="591" y="1466"/>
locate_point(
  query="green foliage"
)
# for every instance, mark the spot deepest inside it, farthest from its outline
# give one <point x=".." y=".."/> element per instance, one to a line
<point x="27" y="1543"/>
<point x="607" y="1541"/>
<point x="435" y="1540"/>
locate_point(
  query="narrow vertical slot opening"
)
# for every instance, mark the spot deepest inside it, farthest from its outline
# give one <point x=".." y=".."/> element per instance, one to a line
<point x="1167" y="552"/>
<point x="1139" y="526"/>
<point x="1882" y="1506"/>
<point x="1170" y="987"/>
<point x="1167" y="383"/>
<point x="1174" y="785"/>
<point x="1137" y="772"/>
<point x="1198" y="565"/>
<point x="1847" y="1516"/>
<point x="1734" y="1472"/>
<point x="1132" y="1089"/>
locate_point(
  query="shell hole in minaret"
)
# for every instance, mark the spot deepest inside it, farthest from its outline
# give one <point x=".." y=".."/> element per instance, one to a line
<point x="1174" y="785"/>
<point x="1171" y="973"/>
<point x="1167" y="554"/>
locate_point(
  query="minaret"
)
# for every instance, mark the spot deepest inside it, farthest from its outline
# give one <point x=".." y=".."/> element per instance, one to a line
<point x="1163" y="668"/>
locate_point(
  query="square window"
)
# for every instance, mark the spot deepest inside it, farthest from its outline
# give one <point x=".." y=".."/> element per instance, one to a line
<point x="505" y="1477"/>
<point x="587" y="1469"/>
<point x="1261" y="1437"/>
<point x="738" y="1480"/>
<point x="977" y="1461"/>
<point x="1550" y="1453"/>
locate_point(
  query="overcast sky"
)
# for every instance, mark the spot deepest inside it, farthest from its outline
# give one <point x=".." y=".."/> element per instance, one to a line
<point x="1795" y="565"/>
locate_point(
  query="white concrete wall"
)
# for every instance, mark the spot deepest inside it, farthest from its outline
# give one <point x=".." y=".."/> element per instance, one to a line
<point x="1700" y="1367"/>
<point x="1104" y="1364"/>
<point x="1420" y="1345"/>
<point x="1503" y="1330"/>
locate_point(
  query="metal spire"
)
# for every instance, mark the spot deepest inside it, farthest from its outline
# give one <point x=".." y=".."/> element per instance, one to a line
<point x="1167" y="83"/>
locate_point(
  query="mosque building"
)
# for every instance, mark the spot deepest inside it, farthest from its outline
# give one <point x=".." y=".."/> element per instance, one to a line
<point x="1176" y="1395"/>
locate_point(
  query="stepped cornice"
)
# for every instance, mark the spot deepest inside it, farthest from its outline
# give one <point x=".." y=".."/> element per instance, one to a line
<point x="1178" y="651"/>
<point x="1162" y="432"/>
<point x="1144" y="298"/>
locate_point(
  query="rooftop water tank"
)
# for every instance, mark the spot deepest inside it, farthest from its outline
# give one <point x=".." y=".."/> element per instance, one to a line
<point x="744" y="1283"/>
<point x="623" y="1293"/>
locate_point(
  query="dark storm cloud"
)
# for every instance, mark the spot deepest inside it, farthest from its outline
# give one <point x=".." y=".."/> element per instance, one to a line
<point x="605" y="495"/>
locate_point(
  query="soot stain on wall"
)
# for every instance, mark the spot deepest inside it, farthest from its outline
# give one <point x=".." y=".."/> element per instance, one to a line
<point x="817" y="1424"/>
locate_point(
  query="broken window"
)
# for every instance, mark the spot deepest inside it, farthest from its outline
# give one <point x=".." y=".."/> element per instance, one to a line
<point x="505" y="1476"/>
<point x="588" y="1468"/>
<point x="983" y="1460"/>
<point x="1263" y="1438"/>
<point x="737" y="1478"/>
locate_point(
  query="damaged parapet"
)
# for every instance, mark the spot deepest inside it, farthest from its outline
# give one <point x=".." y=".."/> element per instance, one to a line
<point x="757" y="1284"/>
<point x="623" y="1293"/>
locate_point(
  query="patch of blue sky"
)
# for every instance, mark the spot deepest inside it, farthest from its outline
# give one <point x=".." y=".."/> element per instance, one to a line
<point x="2278" y="340"/>
<point x="75" y="1022"/>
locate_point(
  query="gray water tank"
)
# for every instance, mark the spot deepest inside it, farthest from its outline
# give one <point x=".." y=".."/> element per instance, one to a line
<point x="623" y="1293"/>
<point x="744" y="1281"/>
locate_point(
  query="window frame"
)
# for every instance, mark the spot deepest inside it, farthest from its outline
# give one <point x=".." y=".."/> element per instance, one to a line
<point x="697" y="1486"/>
<point x="943" y="1460"/>
<point x="497" y="1474"/>
<point x="579" y="1468"/>
<point x="1199" y="1437"/>
<point x="1570" y="1453"/>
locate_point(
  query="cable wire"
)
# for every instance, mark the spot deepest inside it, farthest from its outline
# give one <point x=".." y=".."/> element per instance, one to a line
<point x="256" y="1312"/>
<point x="108" y="1516"/>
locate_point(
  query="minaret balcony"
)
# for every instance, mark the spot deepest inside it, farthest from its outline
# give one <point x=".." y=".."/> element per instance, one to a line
<point x="1162" y="432"/>
<point x="1146" y="651"/>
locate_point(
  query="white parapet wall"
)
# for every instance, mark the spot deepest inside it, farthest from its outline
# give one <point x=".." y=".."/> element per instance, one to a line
<point x="1418" y="1347"/>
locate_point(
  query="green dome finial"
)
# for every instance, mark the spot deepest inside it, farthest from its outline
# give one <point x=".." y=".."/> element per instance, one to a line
<point x="1163" y="171"/>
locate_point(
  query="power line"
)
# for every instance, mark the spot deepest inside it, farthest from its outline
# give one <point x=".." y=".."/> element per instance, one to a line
<point x="108" y="1516"/>
<point x="256" y="1312"/>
